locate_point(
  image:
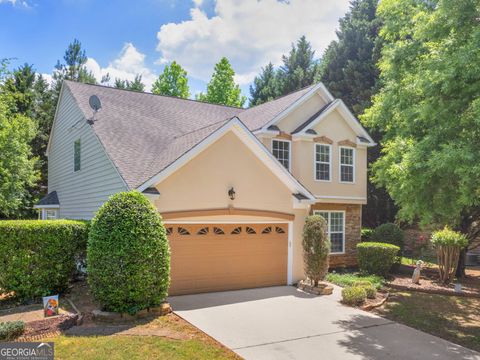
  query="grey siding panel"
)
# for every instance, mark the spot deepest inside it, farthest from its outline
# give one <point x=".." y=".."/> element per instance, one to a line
<point x="80" y="193"/>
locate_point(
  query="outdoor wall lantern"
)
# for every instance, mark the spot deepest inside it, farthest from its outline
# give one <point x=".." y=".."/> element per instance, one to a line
<point x="231" y="193"/>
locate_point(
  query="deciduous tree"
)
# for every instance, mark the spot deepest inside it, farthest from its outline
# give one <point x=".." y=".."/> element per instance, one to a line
<point x="222" y="88"/>
<point x="429" y="110"/>
<point x="172" y="82"/>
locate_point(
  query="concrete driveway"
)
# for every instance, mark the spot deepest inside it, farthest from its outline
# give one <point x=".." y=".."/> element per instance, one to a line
<point x="284" y="323"/>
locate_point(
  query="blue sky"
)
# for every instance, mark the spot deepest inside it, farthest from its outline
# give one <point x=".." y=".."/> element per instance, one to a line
<point x="128" y="37"/>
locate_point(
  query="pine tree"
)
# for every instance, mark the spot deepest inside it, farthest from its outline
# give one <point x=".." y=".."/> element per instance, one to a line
<point x="172" y="82"/>
<point x="299" y="67"/>
<point x="134" y="85"/>
<point x="222" y="88"/>
<point x="265" y="86"/>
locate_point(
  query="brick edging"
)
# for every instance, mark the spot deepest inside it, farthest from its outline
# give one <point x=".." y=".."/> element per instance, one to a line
<point x="433" y="291"/>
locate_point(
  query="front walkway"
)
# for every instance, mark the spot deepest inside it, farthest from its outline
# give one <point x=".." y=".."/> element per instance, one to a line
<point x="283" y="323"/>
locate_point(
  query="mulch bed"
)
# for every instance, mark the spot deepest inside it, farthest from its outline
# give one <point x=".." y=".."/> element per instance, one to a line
<point x="429" y="283"/>
<point x="48" y="327"/>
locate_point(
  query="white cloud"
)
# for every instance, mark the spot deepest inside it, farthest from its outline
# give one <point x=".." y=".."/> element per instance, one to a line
<point x="126" y="66"/>
<point x="15" y="2"/>
<point x="250" y="33"/>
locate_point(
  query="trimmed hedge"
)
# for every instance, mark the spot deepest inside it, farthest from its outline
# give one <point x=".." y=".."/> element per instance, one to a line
<point x="388" y="233"/>
<point x="368" y="287"/>
<point x="354" y="295"/>
<point x="316" y="248"/>
<point x="10" y="330"/>
<point x="37" y="257"/>
<point x="376" y="258"/>
<point x="128" y="255"/>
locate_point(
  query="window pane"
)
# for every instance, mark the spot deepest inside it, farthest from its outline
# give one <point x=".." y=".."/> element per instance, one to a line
<point x="346" y="156"/>
<point x="322" y="162"/>
<point x="323" y="171"/>
<point x="346" y="173"/>
<point x="281" y="151"/>
<point x="336" y="240"/>
<point x="76" y="155"/>
<point x="336" y="222"/>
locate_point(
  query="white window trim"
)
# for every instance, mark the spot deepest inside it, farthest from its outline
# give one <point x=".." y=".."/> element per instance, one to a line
<point x="317" y="212"/>
<point x="43" y="213"/>
<point x="289" y="151"/>
<point x="315" y="162"/>
<point x="354" y="153"/>
<point x="74" y="142"/>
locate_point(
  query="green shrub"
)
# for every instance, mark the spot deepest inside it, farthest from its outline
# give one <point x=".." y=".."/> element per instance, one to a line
<point x="368" y="287"/>
<point x="128" y="256"/>
<point x="448" y="244"/>
<point x="366" y="233"/>
<point x="316" y="248"/>
<point x="354" y="295"/>
<point x="388" y="233"/>
<point x="376" y="258"/>
<point x="37" y="257"/>
<point x="10" y="330"/>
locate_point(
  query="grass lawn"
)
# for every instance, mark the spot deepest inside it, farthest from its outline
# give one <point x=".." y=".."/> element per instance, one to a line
<point x="453" y="318"/>
<point x="135" y="347"/>
<point x="427" y="262"/>
<point x="347" y="279"/>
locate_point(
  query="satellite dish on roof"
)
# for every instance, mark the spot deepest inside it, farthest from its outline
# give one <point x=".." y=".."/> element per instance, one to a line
<point x="95" y="103"/>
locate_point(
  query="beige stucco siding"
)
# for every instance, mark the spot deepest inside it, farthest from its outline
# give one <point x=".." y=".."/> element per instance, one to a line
<point x="334" y="127"/>
<point x="80" y="193"/>
<point x="203" y="183"/>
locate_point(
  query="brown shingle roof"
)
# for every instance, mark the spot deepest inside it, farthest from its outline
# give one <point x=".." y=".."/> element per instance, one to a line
<point x="143" y="133"/>
<point x="257" y="116"/>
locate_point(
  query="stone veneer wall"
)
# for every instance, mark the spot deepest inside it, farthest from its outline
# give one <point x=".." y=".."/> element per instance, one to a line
<point x="353" y="224"/>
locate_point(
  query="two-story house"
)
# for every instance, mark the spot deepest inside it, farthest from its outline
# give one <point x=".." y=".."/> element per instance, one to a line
<point x="233" y="185"/>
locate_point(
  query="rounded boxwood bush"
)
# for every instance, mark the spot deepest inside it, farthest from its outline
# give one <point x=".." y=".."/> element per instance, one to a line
<point x="388" y="233"/>
<point x="128" y="256"/>
<point x="354" y="295"/>
<point x="376" y="258"/>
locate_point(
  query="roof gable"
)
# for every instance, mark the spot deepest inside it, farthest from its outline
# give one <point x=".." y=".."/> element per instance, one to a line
<point x="350" y="119"/>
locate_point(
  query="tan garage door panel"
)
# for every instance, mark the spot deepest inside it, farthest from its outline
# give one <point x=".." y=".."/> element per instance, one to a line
<point x="215" y="257"/>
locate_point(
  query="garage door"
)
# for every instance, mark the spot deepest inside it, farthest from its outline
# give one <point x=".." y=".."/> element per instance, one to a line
<point x="216" y="257"/>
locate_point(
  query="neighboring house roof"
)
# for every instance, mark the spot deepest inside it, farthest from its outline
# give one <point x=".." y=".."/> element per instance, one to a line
<point x="50" y="199"/>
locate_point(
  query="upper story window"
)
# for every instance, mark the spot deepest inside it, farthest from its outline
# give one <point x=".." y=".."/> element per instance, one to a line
<point x="347" y="164"/>
<point x="281" y="150"/>
<point x="76" y="155"/>
<point x="323" y="162"/>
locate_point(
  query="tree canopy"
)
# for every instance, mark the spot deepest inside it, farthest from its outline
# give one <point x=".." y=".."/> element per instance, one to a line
<point x="172" y="82"/>
<point x="134" y="85"/>
<point x="299" y="69"/>
<point x="429" y="109"/>
<point x="222" y="88"/>
<point x="17" y="165"/>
